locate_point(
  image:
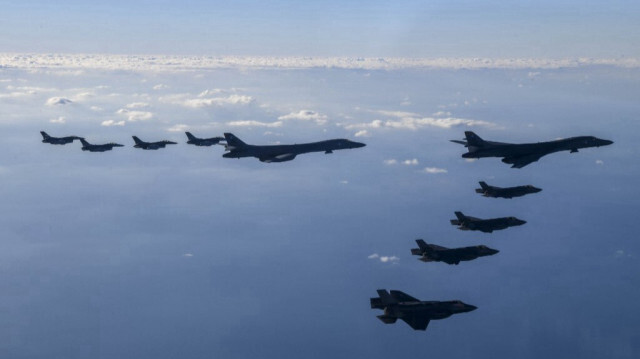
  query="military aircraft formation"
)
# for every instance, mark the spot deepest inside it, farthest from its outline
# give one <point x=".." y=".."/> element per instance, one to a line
<point x="235" y="147"/>
<point x="397" y="304"/>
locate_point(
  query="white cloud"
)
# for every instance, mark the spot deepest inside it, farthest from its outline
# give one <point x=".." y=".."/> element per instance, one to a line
<point x="344" y="182"/>
<point x="434" y="170"/>
<point x="362" y="133"/>
<point x="58" y="120"/>
<point x="108" y="123"/>
<point x="199" y="102"/>
<point x="390" y="259"/>
<point x="58" y="101"/>
<point x="412" y="121"/>
<point x="133" y="116"/>
<point x="188" y="255"/>
<point x="599" y="162"/>
<point x="178" y="128"/>
<point x="442" y="114"/>
<point x="305" y="115"/>
<point x="96" y="108"/>
<point x="160" y="87"/>
<point x="138" y="105"/>
<point x="412" y="162"/>
<point x="390" y="162"/>
<point x="252" y="123"/>
<point x="384" y="259"/>
<point x="74" y="64"/>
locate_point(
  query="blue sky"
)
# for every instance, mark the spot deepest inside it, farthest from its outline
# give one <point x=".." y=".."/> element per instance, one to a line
<point x="182" y="253"/>
<point x="332" y="28"/>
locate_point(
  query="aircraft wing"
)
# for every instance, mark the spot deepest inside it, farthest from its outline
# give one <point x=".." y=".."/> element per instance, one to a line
<point x="417" y="321"/>
<point x="282" y="157"/>
<point x="402" y="297"/>
<point x="521" y="161"/>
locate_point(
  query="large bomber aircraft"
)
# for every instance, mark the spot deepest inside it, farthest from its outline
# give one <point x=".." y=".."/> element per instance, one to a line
<point x="505" y="192"/>
<point x="86" y="146"/>
<point x="433" y="253"/>
<point x="416" y="313"/>
<point x="468" y="223"/>
<point x="151" y="145"/>
<point x="520" y="155"/>
<point x="193" y="140"/>
<point x="57" y="140"/>
<point x="281" y="153"/>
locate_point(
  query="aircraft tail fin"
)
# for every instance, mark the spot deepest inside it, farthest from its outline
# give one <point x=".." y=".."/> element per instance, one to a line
<point x="190" y="136"/>
<point x="44" y="135"/>
<point x="484" y="185"/>
<point x="385" y="297"/>
<point x="422" y="244"/>
<point x="233" y="141"/>
<point x="473" y="140"/>
<point x="460" y="216"/>
<point x="137" y="140"/>
<point x="84" y="142"/>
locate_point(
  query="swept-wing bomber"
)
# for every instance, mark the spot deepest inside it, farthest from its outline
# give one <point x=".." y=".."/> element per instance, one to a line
<point x="151" y="145"/>
<point x="468" y="223"/>
<point x="416" y="313"/>
<point x="520" y="155"/>
<point x="86" y="146"/>
<point x="193" y="140"/>
<point x="433" y="253"/>
<point x="506" y="192"/>
<point x="281" y="153"/>
<point x="57" y="140"/>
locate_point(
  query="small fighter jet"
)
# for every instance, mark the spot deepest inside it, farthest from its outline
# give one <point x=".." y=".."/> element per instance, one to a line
<point x="416" y="313"/>
<point x="520" y="155"/>
<point x="468" y="223"/>
<point x="151" y="145"/>
<point x="86" y="146"/>
<point x="281" y="153"/>
<point x="57" y="140"/>
<point x="193" y="140"/>
<point x="505" y="192"/>
<point x="434" y="253"/>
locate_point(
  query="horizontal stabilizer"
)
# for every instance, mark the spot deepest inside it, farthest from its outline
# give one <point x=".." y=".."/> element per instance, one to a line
<point x="387" y="319"/>
<point x="455" y="222"/>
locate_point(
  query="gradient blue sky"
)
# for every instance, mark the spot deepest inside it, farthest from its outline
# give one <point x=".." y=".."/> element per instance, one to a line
<point x="328" y="28"/>
<point x="180" y="253"/>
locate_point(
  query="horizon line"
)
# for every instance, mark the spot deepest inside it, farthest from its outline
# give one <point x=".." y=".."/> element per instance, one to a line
<point x="211" y="62"/>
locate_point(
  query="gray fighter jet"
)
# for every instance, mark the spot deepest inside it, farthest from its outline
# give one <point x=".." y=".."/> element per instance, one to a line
<point x="416" y="313"/>
<point x="433" y="253"/>
<point x="506" y="192"/>
<point x="467" y="223"/>
<point x="151" y="145"/>
<point x="520" y="155"/>
<point x="193" y="140"/>
<point x="86" y="146"/>
<point x="57" y="140"/>
<point x="281" y="153"/>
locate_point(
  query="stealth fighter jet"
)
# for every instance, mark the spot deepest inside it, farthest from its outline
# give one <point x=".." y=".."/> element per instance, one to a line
<point x="193" y="140"/>
<point x="57" y="140"/>
<point x="151" y="145"/>
<point x="467" y="223"/>
<point x="281" y="153"/>
<point x="86" y="146"/>
<point x="506" y="192"/>
<point x="416" y="313"/>
<point x="520" y="155"/>
<point x="433" y="253"/>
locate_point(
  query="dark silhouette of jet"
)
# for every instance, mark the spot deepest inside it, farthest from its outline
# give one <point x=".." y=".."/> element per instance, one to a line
<point x="467" y="223"/>
<point x="57" y="140"/>
<point x="193" y="140"/>
<point x="506" y="192"/>
<point x="433" y="253"/>
<point x="520" y="155"/>
<point x="151" y="145"/>
<point x="282" y="153"/>
<point x="416" y="313"/>
<point x="86" y="146"/>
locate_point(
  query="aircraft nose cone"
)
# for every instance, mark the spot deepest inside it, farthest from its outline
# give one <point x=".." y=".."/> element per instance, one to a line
<point x="606" y="143"/>
<point x="470" y="308"/>
<point x="493" y="251"/>
<point x="520" y="222"/>
<point x="358" y="144"/>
